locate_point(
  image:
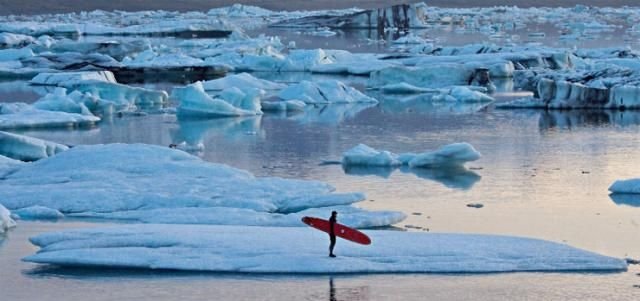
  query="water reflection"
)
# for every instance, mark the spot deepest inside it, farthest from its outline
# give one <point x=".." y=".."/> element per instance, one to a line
<point x="454" y="178"/>
<point x="332" y="114"/>
<point x="394" y="103"/>
<point x="627" y="199"/>
<point x="192" y="131"/>
<point x="351" y="294"/>
<point x="567" y="120"/>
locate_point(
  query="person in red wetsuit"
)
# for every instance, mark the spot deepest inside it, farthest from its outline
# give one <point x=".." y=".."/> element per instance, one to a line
<point x="332" y="234"/>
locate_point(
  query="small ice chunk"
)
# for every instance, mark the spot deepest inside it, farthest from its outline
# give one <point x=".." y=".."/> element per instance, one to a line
<point x="455" y="154"/>
<point x="283" y="106"/>
<point x="194" y="101"/>
<point x="366" y="156"/>
<point x="242" y="81"/>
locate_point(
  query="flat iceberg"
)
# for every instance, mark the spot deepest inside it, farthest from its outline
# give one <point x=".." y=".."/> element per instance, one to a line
<point x="6" y="222"/>
<point x="143" y="178"/>
<point x="194" y="101"/>
<point x="26" y="148"/>
<point x="262" y="250"/>
<point x="324" y="92"/>
<point x="66" y="79"/>
<point x="451" y="155"/>
<point x="630" y="186"/>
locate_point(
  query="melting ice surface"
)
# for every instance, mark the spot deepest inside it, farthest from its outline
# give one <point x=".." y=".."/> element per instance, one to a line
<point x="224" y="249"/>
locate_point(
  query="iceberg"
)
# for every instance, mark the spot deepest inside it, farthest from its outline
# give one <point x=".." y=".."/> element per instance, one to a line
<point x="12" y="40"/>
<point x="143" y="178"/>
<point x="283" y="106"/>
<point x="261" y="250"/>
<point x="324" y="92"/>
<point x="6" y="222"/>
<point x="26" y="148"/>
<point x="194" y="101"/>
<point x="67" y="79"/>
<point x="365" y="155"/>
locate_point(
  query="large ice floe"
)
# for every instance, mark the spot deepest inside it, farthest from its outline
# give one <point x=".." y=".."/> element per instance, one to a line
<point x="226" y="249"/>
<point x="6" y="222"/>
<point x="26" y="148"/>
<point x="158" y="184"/>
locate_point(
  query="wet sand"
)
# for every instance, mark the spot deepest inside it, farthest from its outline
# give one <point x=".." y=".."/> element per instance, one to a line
<point x="62" y="6"/>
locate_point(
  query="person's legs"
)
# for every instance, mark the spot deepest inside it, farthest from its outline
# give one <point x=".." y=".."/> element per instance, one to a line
<point x="331" y="246"/>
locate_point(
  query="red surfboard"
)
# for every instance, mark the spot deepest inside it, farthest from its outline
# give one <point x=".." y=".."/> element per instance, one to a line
<point x="339" y="229"/>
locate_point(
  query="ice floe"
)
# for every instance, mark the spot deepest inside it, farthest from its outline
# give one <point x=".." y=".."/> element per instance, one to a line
<point x="26" y="148"/>
<point x="143" y="178"/>
<point x="22" y="115"/>
<point x="6" y="222"/>
<point x="242" y="81"/>
<point x="225" y="249"/>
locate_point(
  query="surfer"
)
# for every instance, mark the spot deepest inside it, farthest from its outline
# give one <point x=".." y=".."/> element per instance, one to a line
<point x="332" y="234"/>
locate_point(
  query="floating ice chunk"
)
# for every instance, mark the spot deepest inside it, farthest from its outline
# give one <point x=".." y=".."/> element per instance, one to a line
<point x="38" y="213"/>
<point x="626" y="186"/>
<point x="6" y="222"/>
<point x="226" y="249"/>
<point x="325" y="91"/>
<point x="15" y="54"/>
<point x="283" y="106"/>
<point x="435" y="76"/>
<point x="144" y="177"/>
<point x="242" y="81"/>
<point x="67" y="79"/>
<point x="410" y="39"/>
<point x="365" y="155"/>
<point x="194" y="101"/>
<point x="451" y="155"/>
<point x="26" y="148"/>
<point x="456" y="154"/>
<point x="21" y="115"/>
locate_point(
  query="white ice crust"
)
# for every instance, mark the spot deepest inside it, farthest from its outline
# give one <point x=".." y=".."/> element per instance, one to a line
<point x="26" y="148"/>
<point x="159" y="184"/>
<point x="304" y="250"/>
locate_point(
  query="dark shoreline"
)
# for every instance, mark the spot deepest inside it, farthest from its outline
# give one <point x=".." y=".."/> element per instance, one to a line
<point x="32" y="7"/>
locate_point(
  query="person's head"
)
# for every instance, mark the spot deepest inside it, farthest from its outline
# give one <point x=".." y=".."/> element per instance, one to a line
<point x="334" y="213"/>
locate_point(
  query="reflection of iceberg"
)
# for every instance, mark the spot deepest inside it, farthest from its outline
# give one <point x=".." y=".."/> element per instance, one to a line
<point x="192" y="131"/>
<point x="423" y="104"/>
<point x="586" y="118"/>
<point x="455" y="178"/>
<point x="361" y="170"/>
<point x="331" y="114"/>
<point x="628" y="199"/>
